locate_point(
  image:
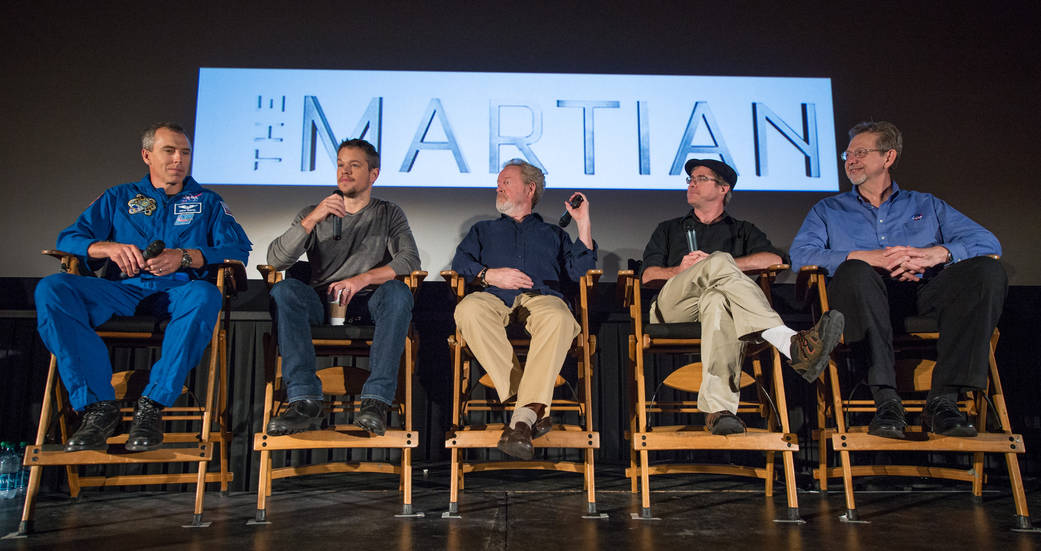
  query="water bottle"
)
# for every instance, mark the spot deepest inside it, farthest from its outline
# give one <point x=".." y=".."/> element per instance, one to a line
<point x="8" y="472"/>
<point x="23" y="472"/>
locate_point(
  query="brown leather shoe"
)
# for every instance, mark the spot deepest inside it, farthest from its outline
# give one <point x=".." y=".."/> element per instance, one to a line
<point x="516" y="442"/>
<point x="542" y="426"/>
<point x="812" y="348"/>
<point x="724" y="422"/>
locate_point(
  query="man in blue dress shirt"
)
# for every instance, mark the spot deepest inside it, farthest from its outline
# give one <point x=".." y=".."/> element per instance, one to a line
<point x="893" y="253"/>
<point x="521" y="261"/>
<point x="115" y="232"/>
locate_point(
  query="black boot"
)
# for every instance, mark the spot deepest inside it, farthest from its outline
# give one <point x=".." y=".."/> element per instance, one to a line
<point x="300" y="416"/>
<point x="146" y="430"/>
<point x="373" y="416"/>
<point x="99" y="421"/>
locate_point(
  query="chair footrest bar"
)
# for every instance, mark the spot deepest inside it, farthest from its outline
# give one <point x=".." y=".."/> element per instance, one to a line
<point x="328" y="439"/>
<point x="147" y="479"/>
<point x="985" y="442"/>
<point x="704" y="440"/>
<point x="553" y="439"/>
<point x="322" y="468"/>
<point x="55" y="455"/>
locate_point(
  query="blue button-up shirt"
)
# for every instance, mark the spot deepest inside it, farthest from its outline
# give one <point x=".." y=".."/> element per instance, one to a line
<point x="847" y="222"/>
<point x="542" y="251"/>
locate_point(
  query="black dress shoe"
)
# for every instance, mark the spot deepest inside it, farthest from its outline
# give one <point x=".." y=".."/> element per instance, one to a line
<point x="516" y="442"/>
<point x="724" y="422"/>
<point x="889" y="421"/>
<point x="301" y="415"/>
<point x="941" y="416"/>
<point x="541" y="427"/>
<point x="373" y="416"/>
<point x="146" y="430"/>
<point x="99" y="421"/>
<point x="810" y="349"/>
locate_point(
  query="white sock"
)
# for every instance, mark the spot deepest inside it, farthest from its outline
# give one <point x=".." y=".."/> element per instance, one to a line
<point x="781" y="338"/>
<point x="523" y="415"/>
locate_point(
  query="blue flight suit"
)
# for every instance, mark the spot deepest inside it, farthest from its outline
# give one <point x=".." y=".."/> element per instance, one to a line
<point x="69" y="307"/>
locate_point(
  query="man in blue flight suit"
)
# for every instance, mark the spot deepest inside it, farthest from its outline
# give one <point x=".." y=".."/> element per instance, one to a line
<point x="197" y="229"/>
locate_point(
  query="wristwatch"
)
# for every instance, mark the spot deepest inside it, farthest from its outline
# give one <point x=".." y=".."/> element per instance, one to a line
<point x="480" y="278"/>
<point x="186" y="258"/>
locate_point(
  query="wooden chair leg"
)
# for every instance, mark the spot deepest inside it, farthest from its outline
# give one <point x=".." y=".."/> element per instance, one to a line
<point x="769" y="486"/>
<point x="645" y="484"/>
<point x="453" y="500"/>
<point x="263" y="484"/>
<point x="847" y="483"/>
<point x="406" y="479"/>
<point x="200" y="493"/>
<point x="590" y="482"/>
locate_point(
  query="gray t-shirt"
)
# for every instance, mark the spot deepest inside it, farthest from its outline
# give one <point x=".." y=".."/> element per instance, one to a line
<point x="377" y="235"/>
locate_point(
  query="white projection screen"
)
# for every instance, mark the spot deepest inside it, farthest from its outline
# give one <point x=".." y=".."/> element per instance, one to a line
<point x="452" y="129"/>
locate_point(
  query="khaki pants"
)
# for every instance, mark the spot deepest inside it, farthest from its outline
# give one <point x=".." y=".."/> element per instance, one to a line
<point x="729" y="305"/>
<point x="482" y="319"/>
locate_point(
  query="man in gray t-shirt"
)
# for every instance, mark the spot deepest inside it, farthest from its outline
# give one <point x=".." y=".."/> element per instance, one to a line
<point x="356" y="245"/>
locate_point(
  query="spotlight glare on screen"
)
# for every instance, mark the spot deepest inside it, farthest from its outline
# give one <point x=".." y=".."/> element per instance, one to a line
<point x="454" y="129"/>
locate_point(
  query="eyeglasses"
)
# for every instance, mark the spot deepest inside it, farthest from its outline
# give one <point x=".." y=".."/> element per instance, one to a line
<point x="700" y="179"/>
<point x="858" y="154"/>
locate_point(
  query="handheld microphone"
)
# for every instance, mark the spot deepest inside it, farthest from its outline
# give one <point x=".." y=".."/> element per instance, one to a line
<point x="154" y="249"/>
<point x="566" y="218"/>
<point x="337" y="221"/>
<point x="692" y="238"/>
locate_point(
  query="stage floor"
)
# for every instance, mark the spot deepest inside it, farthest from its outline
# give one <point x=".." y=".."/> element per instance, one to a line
<point x="530" y="511"/>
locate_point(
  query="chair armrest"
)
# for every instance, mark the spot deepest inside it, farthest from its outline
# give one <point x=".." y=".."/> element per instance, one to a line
<point x="626" y="286"/>
<point x="270" y="274"/>
<point x="592" y="277"/>
<point x="237" y="270"/>
<point x="70" y="263"/>
<point x="413" y="279"/>
<point x="456" y="283"/>
<point x="805" y="281"/>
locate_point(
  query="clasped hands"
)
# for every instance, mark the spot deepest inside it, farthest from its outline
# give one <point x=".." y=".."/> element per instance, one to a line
<point x="131" y="260"/>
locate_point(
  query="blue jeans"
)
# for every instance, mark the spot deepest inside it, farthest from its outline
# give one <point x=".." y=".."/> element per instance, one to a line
<point x="69" y="307"/>
<point x="297" y="306"/>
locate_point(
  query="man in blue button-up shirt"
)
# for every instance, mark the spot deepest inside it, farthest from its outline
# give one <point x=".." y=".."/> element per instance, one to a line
<point x="521" y="263"/>
<point x="893" y="253"/>
<point x="119" y="231"/>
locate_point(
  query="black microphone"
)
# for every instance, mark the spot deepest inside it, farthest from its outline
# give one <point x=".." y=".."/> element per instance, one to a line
<point x="154" y="249"/>
<point x="692" y="238"/>
<point x="566" y="218"/>
<point x="337" y="221"/>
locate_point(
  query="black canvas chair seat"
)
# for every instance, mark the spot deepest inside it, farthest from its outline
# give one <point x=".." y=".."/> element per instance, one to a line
<point x="672" y="330"/>
<point x="353" y="332"/>
<point x="134" y="324"/>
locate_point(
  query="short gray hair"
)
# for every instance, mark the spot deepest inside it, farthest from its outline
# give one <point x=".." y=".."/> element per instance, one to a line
<point x="148" y="136"/>
<point x="887" y="136"/>
<point x="531" y="174"/>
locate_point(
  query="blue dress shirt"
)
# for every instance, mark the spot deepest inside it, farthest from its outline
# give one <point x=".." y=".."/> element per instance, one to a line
<point x="542" y="251"/>
<point x="847" y="222"/>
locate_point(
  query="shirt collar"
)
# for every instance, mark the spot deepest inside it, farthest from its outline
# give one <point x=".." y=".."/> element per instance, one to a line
<point x="724" y="218"/>
<point x="892" y="195"/>
<point x="531" y="218"/>
<point x="190" y="186"/>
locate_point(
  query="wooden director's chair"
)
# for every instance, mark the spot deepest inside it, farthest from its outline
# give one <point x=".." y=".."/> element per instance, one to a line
<point x="762" y="393"/>
<point x="188" y="446"/>
<point x="915" y="348"/>
<point x="464" y="434"/>
<point x="344" y="384"/>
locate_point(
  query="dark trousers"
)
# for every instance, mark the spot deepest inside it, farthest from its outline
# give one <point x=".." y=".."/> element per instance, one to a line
<point x="965" y="299"/>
